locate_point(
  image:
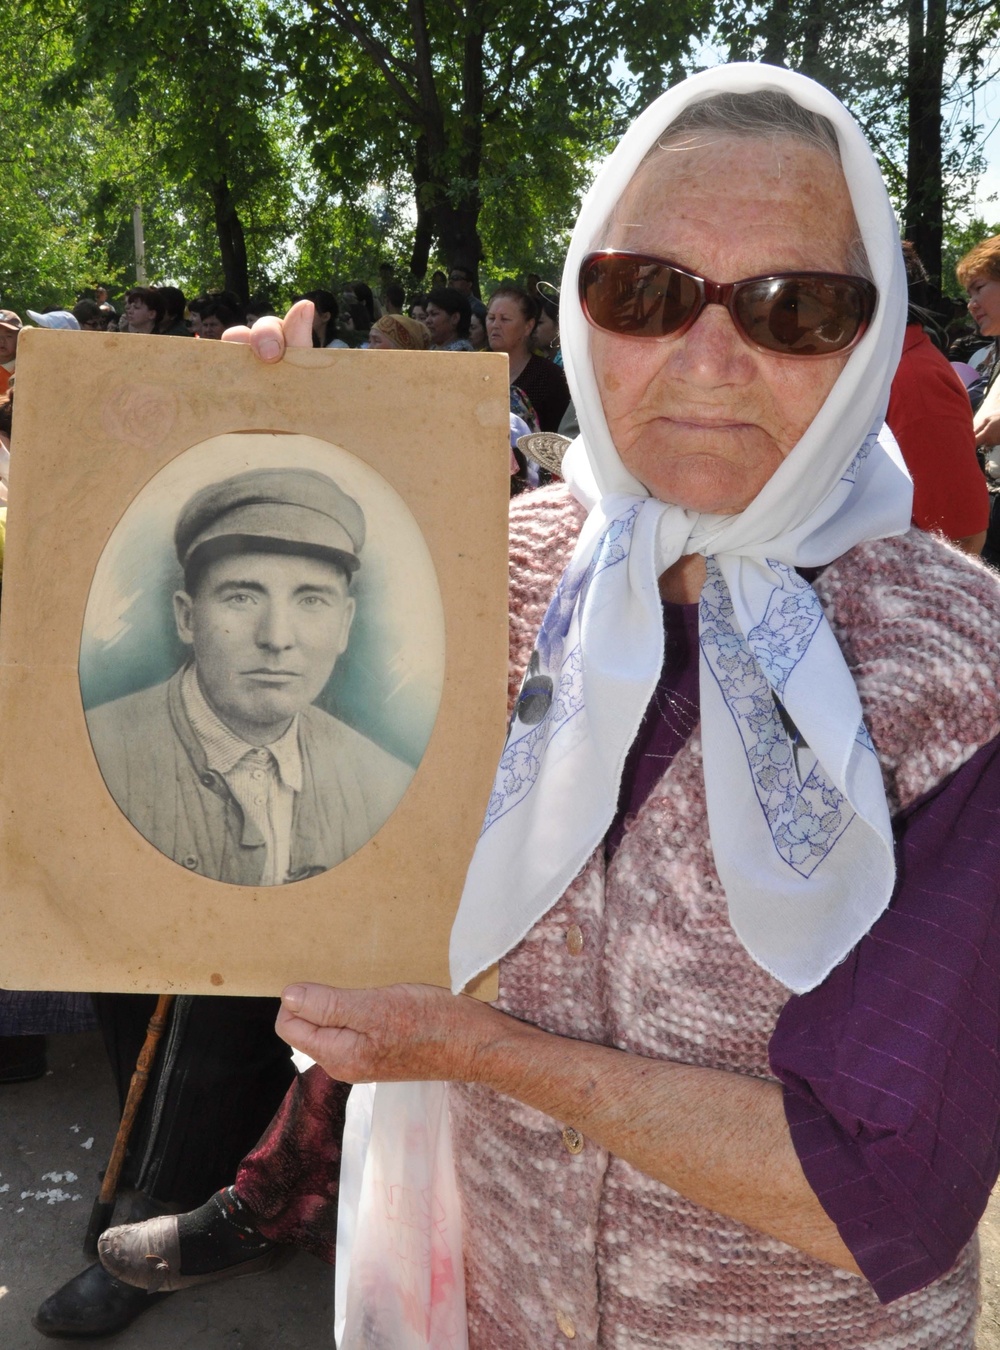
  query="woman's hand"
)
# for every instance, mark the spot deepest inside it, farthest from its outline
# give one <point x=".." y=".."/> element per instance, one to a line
<point x="403" y="1033"/>
<point x="719" y="1138"/>
<point x="270" y="335"/>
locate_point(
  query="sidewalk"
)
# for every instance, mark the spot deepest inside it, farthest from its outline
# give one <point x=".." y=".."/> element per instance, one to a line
<point x="56" y="1134"/>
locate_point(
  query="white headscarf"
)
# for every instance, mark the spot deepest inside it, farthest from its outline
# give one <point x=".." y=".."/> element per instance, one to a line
<point x="799" y="823"/>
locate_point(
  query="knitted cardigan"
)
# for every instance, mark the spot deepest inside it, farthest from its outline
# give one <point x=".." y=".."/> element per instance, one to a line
<point x="565" y="1241"/>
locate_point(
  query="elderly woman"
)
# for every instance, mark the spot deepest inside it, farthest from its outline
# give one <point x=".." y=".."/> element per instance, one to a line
<point x="739" y="866"/>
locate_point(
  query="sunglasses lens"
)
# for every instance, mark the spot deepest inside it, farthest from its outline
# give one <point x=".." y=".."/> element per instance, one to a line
<point x="805" y="315"/>
<point x="637" y="297"/>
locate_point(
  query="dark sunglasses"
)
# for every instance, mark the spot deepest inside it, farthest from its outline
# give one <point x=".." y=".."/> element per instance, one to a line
<point x="792" y="313"/>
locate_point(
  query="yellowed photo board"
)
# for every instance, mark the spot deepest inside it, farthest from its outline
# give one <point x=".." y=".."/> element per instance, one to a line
<point x="253" y="653"/>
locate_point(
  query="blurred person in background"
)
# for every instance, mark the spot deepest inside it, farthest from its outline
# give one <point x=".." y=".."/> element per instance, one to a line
<point x="546" y="341"/>
<point x="90" y="316"/>
<point x="10" y="331"/>
<point x="979" y="273"/>
<point x="477" y="333"/>
<point x="395" y="298"/>
<point x="53" y="318"/>
<point x="510" y="328"/>
<point x="396" y="332"/>
<point x="931" y="418"/>
<point x="448" y="316"/>
<point x="143" y="309"/>
<point x="216" y="317"/>
<point x="173" y="323"/>
<point x="325" y="313"/>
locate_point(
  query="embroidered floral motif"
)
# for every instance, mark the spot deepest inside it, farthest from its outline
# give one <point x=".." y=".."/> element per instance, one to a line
<point x="850" y="474"/>
<point x="805" y="820"/>
<point x="528" y="739"/>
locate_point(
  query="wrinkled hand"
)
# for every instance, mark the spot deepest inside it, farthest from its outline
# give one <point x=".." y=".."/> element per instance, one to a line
<point x="403" y="1033"/>
<point x="270" y="335"/>
<point x="988" y="432"/>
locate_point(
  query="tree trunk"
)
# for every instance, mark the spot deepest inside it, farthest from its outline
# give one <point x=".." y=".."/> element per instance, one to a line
<point x="775" y="29"/>
<point x="924" y="215"/>
<point x="813" y="29"/>
<point x="423" y="235"/>
<point x="232" y="244"/>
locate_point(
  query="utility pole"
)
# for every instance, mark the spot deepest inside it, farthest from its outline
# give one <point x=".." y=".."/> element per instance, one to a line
<point x="140" y="246"/>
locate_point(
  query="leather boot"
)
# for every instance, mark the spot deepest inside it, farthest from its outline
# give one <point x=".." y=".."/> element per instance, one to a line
<point x="93" y="1303"/>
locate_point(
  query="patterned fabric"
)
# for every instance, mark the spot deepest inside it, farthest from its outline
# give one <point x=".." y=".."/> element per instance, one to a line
<point x="409" y="335"/>
<point x="821" y="500"/>
<point x="263" y="779"/>
<point x="805" y="812"/>
<point x="576" y="1243"/>
<point x="291" y="1180"/>
<point x="25" y="1013"/>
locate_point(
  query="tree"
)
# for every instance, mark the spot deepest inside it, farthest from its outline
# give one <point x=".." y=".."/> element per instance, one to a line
<point x="194" y="81"/>
<point x="48" y="251"/>
<point x="472" y="99"/>
<point x="901" y="69"/>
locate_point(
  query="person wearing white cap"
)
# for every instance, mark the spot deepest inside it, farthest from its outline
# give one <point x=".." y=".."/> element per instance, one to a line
<point x="54" y="318"/>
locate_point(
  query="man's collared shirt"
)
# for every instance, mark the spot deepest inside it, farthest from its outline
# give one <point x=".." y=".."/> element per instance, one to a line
<point x="263" y="778"/>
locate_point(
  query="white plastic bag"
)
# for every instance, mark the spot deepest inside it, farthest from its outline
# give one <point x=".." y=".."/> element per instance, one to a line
<point x="400" y="1283"/>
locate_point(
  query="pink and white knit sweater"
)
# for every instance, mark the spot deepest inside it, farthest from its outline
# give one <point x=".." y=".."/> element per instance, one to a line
<point x="568" y="1244"/>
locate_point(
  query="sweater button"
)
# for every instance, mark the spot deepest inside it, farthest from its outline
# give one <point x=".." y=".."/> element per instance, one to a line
<point x="573" y="1140"/>
<point x="574" y="939"/>
<point x="565" y="1324"/>
<point x="190" y="862"/>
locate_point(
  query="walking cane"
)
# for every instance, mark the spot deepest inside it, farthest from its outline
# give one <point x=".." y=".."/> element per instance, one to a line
<point x="100" y="1215"/>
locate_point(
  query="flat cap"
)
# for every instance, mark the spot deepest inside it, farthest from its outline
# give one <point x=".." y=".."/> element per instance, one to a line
<point x="290" y="508"/>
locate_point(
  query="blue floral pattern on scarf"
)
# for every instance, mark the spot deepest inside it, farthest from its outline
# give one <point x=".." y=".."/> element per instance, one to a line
<point x="522" y="756"/>
<point x="805" y="819"/>
<point x="850" y="474"/>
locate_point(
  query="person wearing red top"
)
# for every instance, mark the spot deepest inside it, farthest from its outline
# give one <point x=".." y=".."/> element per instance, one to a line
<point x="931" y="418"/>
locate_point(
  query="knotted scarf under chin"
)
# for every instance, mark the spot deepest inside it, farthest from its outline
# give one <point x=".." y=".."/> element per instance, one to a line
<point x="797" y="813"/>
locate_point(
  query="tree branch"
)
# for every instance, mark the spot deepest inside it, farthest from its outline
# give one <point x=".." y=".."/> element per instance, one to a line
<point x="391" y="67"/>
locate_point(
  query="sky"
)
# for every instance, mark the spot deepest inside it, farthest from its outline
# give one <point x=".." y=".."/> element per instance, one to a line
<point x="990" y="181"/>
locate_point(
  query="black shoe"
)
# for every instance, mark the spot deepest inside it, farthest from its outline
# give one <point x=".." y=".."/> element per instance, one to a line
<point x="22" y="1058"/>
<point x="93" y="1303"/>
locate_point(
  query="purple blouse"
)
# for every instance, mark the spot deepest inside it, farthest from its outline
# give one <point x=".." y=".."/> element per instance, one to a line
<point x="891" y="1067"/>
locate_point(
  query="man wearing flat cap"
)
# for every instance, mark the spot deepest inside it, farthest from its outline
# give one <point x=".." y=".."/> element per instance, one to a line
<point x="229" y="768"/>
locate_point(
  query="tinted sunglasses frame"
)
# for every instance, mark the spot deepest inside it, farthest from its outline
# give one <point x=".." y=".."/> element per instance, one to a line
<point x="727" y="294"/>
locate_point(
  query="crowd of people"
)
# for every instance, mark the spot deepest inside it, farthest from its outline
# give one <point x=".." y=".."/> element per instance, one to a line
<point x="520" y="321"/>
<point x="741" y="1084"/>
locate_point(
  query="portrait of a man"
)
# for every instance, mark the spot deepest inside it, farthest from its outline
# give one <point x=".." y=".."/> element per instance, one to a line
<point x="229" y="768"/>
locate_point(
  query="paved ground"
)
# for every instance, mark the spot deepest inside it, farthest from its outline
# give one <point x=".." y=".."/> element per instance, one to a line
<point x="54" y="1136"/>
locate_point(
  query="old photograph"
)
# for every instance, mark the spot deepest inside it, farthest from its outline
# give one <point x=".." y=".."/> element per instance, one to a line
<point x="262" y="658"/>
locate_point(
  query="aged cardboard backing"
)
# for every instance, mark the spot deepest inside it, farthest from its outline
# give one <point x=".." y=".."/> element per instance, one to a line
<point x="85" y="902"/>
